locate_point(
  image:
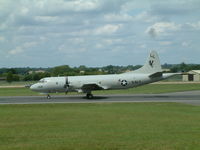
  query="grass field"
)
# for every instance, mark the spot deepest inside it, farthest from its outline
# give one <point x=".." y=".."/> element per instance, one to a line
<point x="16" y="83"/>
<point x="110" y="126"/>
<point x="146" y="89"/>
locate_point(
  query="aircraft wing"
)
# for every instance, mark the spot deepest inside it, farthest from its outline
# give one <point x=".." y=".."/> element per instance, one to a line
<point x="92" y="87"/>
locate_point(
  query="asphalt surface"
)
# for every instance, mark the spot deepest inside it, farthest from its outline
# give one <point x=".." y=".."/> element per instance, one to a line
<point x="191" y="97"/>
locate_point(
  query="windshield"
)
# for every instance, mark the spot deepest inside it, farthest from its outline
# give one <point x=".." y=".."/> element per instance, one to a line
<point x="42" y="81"/>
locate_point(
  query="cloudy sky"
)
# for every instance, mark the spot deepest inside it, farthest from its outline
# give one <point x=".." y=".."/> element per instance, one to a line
<point x="48" y="33"/>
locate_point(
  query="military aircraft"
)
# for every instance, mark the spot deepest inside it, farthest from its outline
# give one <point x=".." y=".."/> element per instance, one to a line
<point x="150" y="72"/>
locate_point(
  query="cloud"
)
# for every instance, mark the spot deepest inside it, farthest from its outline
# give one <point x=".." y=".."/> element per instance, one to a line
<point x="107" y="29"/>
<point x="24" y="11"/>
<point x="3" y="26"/>
<point x="46" y="18"/>
<point x="21" y="49"/>
<point x="162" y="28"/>
<point x="69" y="50"/>
<point x="107" y="43"/>
<point x="82" y="5"/>
<point x="113" y="17"/>
<point x="17" y="50"/>
<point x="2" y="39"/>
<point x="76" y="40"/>
<point x="178" y="8"/>
<point x="143" y="46"/>
<point x="185" y="44"/>
<point x="166" y="43"/>
<point x="195" y="26"/>
<point x="146" y="17"/>
<point x="70" y="31"/>
<point x="29" y="44"/>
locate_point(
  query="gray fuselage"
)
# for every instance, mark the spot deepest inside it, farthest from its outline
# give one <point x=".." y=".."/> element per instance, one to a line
<point x="75" y="83"/>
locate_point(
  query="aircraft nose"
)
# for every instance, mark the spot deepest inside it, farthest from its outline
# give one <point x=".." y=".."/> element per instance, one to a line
<point x="33" y="87"/>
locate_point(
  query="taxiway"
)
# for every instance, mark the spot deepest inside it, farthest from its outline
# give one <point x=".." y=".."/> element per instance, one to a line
<point x="191" y="97"/>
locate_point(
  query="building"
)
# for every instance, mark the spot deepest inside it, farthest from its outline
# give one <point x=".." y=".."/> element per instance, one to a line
<point x="166" y="70"/>
<point x="2" y="78"/>
<point x="37" y="71"/>
<point x="193" y="76"/>
<point x="82" y="71"/>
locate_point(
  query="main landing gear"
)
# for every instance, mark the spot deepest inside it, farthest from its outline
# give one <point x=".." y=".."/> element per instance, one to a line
<point x="89" y="96"/>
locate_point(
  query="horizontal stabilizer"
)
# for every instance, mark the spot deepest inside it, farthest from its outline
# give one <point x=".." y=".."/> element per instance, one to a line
<point x="155" y="75"/>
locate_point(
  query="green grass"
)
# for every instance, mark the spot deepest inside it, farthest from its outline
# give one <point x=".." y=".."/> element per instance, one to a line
<point x="146" y="89"/>
<point x="117" y="126"/>
<point x="16" y="92"/>
<point x="16" y="83"/>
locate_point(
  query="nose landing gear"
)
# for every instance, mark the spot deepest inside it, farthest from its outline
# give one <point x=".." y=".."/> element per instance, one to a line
<point x="48" y="96"/>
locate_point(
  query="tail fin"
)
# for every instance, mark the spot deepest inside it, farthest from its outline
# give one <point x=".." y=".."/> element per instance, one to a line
<point x="151" y="66"/>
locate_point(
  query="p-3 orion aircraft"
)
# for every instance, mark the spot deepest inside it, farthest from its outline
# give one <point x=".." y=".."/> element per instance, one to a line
<point x="150" y="72"/>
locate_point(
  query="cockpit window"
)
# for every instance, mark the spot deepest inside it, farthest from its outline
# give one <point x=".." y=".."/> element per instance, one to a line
<point x="42" y="81"/>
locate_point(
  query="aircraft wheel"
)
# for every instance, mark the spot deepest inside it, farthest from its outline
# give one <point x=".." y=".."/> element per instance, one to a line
<point x="48" y="96"/>
<point x="89" y="96"/>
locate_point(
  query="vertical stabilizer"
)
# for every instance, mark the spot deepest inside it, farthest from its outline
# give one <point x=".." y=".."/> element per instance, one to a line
<point x="151" y="66"/>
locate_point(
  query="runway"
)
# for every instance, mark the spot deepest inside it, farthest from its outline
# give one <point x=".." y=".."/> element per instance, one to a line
<point x="191" y="97"/>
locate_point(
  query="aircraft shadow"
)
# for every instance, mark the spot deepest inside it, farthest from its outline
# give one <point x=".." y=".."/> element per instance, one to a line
<point x="95" y="98"/>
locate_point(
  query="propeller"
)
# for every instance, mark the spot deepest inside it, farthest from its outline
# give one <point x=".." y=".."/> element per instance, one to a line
<point x="66" y="86"/>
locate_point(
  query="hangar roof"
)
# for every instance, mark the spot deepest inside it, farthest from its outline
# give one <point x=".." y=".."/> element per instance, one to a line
<point x="194" y="72"/>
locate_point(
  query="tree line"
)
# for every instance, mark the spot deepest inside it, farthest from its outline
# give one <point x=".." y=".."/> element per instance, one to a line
<point x="35" y="74"/>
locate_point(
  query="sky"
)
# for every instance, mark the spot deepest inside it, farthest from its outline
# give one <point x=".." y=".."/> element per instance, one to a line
<point x="96" y="33"/>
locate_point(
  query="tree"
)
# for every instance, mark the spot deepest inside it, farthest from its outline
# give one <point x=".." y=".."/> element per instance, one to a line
<point x="12" y="70"/>
<point x="183" y="67"/>
<point x="174" y="69"/>
<point x="36" y="77"/>
<point x="82" y="68"/>
<point x="9" y="77"/>
<point x="61" y="70"/>
<point x="28" y="77"/>
<point x="16" y="77"/>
